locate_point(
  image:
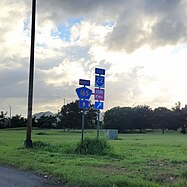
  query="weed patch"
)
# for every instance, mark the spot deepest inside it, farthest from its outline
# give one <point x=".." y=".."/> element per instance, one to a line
<point x="59" y="148"/>
<point x="93" y="147"/>
<point x="184" y="174"/>
<point x="41" y="133"/>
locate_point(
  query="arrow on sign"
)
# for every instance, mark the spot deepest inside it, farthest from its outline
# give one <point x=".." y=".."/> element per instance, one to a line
<point x="99" y="105"/>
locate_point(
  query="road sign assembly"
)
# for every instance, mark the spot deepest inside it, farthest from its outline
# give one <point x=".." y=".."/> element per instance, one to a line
<point x="84" y="95"/>
<point x="99" y="93"/>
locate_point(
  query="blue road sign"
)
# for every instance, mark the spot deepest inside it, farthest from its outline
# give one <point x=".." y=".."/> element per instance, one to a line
<point x="84" y="104"/>
<point x="84" y="93"/>
<point x="99" y="105"/>
<point x="84" y="82"/>
<point x="99" y="81"/>
<point x="99" y="71"/>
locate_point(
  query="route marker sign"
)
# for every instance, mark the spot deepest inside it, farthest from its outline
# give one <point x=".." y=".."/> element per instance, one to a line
<point x="84" y="93"/>
<point x="99" y="71"/>
<point x="99" y="81"/>
<point x="99" y="105"/>
<point x="84" y="82"/>
<point x="99" y="94"/>
<point x="84" y="104"/>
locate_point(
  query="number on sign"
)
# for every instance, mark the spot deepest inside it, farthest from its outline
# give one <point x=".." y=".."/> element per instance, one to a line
<point x="99" y="81"/>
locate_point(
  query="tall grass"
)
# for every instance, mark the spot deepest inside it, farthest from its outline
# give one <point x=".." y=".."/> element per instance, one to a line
<point x="96" y="146"/>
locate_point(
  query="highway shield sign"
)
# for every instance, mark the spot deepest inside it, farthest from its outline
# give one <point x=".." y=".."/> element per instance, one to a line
<point x="99" y="81"/>
<point x="84" y="93"/>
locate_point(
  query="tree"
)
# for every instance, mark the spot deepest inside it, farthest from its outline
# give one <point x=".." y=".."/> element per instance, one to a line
<point x="141" y="117"/>
<point x="161" y="118"/>
<point x="3" y="120"/>
<point x="47" y="121"/>
<point x="70" y="116"/>
<point x="112" y="119"/>
<point x="18" y="121"/>
<point x="120" y="118"/>
<point x="90" y="117"/>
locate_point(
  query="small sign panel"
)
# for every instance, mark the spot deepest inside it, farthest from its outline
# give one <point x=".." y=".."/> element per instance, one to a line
<point x="99" y="105"/>
<point x="99" y="71"/>
<point x="99" y="94"/>
<point x="84" y="93"/>
<point x="84" y="104"/>
<point x="84" y="82"/>
<point x="99" y="81"/>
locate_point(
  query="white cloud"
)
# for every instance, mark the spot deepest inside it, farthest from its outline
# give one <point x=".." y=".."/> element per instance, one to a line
<point x="153" y="73"/>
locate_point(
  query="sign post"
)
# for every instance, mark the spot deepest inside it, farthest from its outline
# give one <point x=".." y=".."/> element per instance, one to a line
<point x="84" y="94"/>
<point x="99" y="93"/>
<point x="82" y="137"/>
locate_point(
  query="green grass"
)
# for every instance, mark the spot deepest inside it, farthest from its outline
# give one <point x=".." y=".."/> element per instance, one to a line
<point x="136" y="160"/>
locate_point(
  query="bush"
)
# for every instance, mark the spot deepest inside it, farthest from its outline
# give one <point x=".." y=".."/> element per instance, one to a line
<point x="93" y="147"/>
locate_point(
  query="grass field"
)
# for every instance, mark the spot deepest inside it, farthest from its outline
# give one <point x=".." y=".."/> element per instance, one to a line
<point x="136" y="160"/>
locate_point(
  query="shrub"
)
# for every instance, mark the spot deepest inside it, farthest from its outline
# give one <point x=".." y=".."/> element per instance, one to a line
<point x="93" y="147"/>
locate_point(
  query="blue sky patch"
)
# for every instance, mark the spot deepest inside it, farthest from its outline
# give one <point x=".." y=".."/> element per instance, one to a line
<point x="64" y="28"/>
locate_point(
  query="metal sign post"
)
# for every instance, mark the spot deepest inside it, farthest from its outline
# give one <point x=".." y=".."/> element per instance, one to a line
<point x="83" y="116"/>
<point x="98" y="122"/>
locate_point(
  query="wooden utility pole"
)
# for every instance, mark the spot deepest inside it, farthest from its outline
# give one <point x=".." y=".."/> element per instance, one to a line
<point x="28" y="141"/>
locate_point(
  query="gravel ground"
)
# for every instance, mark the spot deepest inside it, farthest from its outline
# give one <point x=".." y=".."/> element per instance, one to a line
<point x="11" y="177"/>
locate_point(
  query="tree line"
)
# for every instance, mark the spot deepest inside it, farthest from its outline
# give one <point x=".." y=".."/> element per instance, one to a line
<point x="68" y="117"/>
<point x="124" y="119"/>
<point x="143" y="117"/>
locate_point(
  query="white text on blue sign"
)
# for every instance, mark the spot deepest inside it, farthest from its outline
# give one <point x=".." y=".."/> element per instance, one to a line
<point x="99" y="81"/>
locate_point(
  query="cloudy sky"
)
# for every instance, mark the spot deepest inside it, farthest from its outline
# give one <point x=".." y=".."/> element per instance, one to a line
<point x="142" y="44"/>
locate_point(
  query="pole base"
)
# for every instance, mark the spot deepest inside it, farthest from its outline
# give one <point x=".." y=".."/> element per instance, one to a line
<point x="28" y="144"/>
